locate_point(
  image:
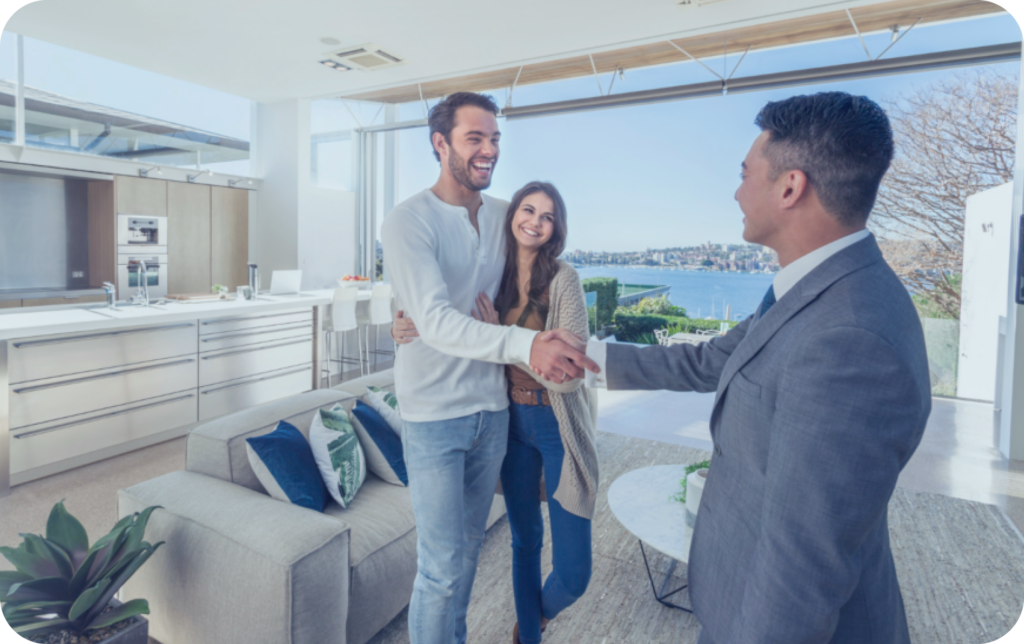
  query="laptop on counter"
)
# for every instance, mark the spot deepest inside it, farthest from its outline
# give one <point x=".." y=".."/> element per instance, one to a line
<point x="286" y="283"/>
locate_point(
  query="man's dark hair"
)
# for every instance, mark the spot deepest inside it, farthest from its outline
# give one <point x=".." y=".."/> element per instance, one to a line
<point x="842" y="143"/>
<point x="442" y="115"/>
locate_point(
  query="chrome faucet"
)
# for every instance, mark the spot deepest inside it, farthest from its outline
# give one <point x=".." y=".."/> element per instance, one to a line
<point x="111" y="291"/>
<point x="142" y="295"/>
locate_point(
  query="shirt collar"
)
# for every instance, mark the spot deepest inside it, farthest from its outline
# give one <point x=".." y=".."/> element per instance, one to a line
<point x="789" y="276"/>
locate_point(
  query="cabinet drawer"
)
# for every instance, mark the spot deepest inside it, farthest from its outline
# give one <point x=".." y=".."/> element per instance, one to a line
<point x="253" y="360"/>
<point x="231" y="339"/>
<point x="45" y="400"/>
<point x="71" y="353"/>
<point x="239" y="323"/>
<point x="46" y="443"/>
<point x="229" y="397"/>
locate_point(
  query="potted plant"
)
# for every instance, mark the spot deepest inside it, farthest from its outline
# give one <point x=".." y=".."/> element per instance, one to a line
<point x="63" y="584"/>
<point x="690" y="469"/>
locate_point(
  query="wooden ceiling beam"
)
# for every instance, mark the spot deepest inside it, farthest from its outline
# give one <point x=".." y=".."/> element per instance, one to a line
<point x="794" y="31"/>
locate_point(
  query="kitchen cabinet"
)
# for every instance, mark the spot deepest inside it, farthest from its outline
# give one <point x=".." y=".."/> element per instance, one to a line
<point x="102" y="233"/>
<point x="10" y="304"/>
<point x="188" y="244"/>
<point x="137" y="196"/>
<point x="229" y="236"/>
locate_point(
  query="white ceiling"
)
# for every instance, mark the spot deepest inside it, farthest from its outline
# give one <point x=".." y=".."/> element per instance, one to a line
<point x="268" y="50"/>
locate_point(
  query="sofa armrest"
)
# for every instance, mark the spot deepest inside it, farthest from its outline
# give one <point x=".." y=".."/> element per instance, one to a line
<point x="237" y="565"/>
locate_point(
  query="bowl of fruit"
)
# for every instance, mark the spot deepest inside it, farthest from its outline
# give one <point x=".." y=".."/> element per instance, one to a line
<point x="354" y="280"/>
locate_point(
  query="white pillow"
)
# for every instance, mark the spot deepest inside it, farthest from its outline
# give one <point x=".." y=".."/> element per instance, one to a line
<point x="338" y="454"/>
<point x="386" y="404"/>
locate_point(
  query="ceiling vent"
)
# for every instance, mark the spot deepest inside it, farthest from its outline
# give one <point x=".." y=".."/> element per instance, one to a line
<point x="367" y="58"/>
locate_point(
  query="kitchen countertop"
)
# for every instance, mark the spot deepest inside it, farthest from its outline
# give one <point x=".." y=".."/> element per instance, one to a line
<point x="96" y="317"/>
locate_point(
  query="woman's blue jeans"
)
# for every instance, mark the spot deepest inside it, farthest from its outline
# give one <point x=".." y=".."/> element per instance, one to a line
<point x="535" y="446"/>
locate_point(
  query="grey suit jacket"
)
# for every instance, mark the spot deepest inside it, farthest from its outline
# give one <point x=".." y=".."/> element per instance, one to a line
<point x="819" y="405"/>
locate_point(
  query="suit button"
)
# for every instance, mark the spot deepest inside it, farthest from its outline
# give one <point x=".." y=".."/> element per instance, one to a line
<point x="718" y="449"/>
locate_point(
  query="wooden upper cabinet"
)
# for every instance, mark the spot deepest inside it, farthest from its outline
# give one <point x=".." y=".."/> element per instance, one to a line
<point x="188" y="244"/>
<point x="230" y="237"/>
<point x="137" y="196"/>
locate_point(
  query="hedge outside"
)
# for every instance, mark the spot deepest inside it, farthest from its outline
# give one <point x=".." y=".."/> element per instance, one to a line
<point x="607" y="289"/>
<point x="629" y="328"/>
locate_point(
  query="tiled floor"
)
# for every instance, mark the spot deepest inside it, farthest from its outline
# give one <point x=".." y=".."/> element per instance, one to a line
<point x="957" y="455"/>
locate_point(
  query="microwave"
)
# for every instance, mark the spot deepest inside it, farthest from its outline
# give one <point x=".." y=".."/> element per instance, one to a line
<point x="140" y="234"/>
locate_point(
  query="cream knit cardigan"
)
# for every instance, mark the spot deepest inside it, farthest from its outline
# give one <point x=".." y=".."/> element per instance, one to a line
<point x="575" y="407"/>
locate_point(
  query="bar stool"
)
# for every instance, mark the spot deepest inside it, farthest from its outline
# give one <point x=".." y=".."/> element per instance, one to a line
<point x="380" y="313"/>
<point x="343" y="318"/>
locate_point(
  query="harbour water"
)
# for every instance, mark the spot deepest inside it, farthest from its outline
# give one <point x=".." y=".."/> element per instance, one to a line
<point x="701" y="293"/>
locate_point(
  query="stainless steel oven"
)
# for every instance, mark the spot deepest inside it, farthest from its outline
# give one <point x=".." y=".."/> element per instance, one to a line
<point x="129" y="275"/>
<point x="139" y="234"/>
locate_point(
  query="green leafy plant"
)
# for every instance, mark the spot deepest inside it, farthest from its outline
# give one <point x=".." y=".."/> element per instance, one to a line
<point x="62" y="583"/>
<point x="607" y="289"/>
<point x="219" y="289"/>
<point x="654" y="306"/>
<point x="690" y="469"/>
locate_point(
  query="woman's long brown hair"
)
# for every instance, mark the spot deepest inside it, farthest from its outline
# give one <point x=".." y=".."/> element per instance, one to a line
<point x="545" y="266"/>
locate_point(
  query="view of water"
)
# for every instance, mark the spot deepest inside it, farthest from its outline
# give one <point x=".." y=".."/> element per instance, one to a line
<point x="696" y="291"/>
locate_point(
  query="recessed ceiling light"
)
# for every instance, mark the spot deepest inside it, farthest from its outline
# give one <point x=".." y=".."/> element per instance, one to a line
<point x="330" y="41"/>
<point x="333" y="64"/>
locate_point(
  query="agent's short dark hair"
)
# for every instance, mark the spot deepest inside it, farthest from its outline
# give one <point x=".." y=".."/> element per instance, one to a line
<point x="842" y="143"/>
<point x="442" y="115"/>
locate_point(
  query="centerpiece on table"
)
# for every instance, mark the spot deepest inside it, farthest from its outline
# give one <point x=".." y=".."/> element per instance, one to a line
<point x="63" y="590"/>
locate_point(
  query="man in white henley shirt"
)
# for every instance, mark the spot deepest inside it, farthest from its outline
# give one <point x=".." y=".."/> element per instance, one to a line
<point x="443" y="246"/>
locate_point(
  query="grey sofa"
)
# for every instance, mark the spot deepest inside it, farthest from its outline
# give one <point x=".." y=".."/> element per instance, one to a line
<point x="239" y="566"/>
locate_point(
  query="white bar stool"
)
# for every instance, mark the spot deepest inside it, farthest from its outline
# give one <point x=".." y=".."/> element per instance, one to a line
<point x="380" y="313"/>
<point x="343" y="318"/>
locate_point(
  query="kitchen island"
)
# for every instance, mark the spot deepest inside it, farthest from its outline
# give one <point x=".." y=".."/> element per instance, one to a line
<point x="84" y="384"/>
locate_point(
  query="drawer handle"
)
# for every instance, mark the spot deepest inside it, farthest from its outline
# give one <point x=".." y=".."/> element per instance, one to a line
<point x="262" y="348"/>
<point x="254" y="317"/>
<point x="276" y="329"/>
<point x="110" y="415"/>
<point x="76" y="381"/>
<point x="93" y="336"/>
<point x="254" y="381"/>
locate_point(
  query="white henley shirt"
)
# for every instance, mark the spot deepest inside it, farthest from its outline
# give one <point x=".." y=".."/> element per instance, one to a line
<point x="437" y="264"/>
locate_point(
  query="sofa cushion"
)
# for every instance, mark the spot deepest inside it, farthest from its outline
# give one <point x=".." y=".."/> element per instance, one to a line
<point x="383" y="446"/>
<point x="380" y="514"/>
<point x="338" y="454"/>
<point x="284" y="464"/>
<point x="217" y="448"/>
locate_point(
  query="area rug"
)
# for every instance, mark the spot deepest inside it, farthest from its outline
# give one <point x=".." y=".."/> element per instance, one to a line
<point x="960" y="566"/>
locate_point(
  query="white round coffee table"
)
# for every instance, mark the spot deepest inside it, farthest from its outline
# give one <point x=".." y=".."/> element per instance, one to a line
<point x="642" y="502"/>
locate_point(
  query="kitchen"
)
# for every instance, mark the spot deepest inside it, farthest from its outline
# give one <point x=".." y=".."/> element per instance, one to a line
<point x="95" y="358"/>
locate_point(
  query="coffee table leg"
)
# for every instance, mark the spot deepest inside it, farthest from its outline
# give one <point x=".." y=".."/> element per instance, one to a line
<point x="662" y="596"/>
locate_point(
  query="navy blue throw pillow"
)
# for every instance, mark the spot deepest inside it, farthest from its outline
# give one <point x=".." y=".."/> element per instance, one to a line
<point x="382" y="446"/>
<point x="283" y="462"/>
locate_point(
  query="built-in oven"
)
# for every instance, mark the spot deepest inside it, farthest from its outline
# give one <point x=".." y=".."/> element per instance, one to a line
<point x="139" y="234"/>
<point x="129" y="275"/>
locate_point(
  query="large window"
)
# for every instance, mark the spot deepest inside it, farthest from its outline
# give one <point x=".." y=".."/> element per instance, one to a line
<point x="80" y="103"/>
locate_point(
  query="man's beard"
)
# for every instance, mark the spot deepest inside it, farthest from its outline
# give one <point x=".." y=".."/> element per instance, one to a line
<point x="460" y="170"/>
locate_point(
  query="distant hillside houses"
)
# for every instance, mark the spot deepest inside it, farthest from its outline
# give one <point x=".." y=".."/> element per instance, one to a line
<point x="708" y="257"/>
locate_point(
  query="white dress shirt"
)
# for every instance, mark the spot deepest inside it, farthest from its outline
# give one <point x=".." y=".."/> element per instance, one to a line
<point x="438" y="264"/>
<point x="783" y="282"/>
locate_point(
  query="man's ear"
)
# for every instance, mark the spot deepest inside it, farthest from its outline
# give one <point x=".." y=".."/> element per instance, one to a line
<point x="440" y="145"/>
<point x="794" y="186"/>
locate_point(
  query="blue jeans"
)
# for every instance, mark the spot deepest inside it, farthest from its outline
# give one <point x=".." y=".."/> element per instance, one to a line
<point x="535" y="446"/>
<point x="453" y="468"/>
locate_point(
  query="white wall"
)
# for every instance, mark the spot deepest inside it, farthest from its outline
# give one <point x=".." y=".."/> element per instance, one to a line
<point x="299" y="225"/>
<point x="988" y="226"/>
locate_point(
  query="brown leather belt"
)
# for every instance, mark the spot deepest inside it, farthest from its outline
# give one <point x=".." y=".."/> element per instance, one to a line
<point x="524" y="396"/>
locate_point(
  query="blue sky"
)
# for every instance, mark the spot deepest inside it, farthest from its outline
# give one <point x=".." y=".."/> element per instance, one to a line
<point x="636" y="177"/>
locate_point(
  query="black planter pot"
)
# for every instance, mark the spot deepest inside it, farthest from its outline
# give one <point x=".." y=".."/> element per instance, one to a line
<point x="136" y="633"/>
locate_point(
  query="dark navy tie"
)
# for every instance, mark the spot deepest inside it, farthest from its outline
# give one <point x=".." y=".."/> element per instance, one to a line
<point x="767" y="302"/>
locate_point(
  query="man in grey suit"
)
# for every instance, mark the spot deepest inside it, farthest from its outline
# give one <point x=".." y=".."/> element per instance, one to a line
<point x="821" y="396"/>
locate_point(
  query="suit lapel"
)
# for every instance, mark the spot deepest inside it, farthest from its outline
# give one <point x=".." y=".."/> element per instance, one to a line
<point x="805" y="291"/>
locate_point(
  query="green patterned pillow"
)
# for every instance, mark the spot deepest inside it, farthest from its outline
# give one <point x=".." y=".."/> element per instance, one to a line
<point x="386" y="396"/>
<point x="338" y="454"/>
<point x="385" y="403"/>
